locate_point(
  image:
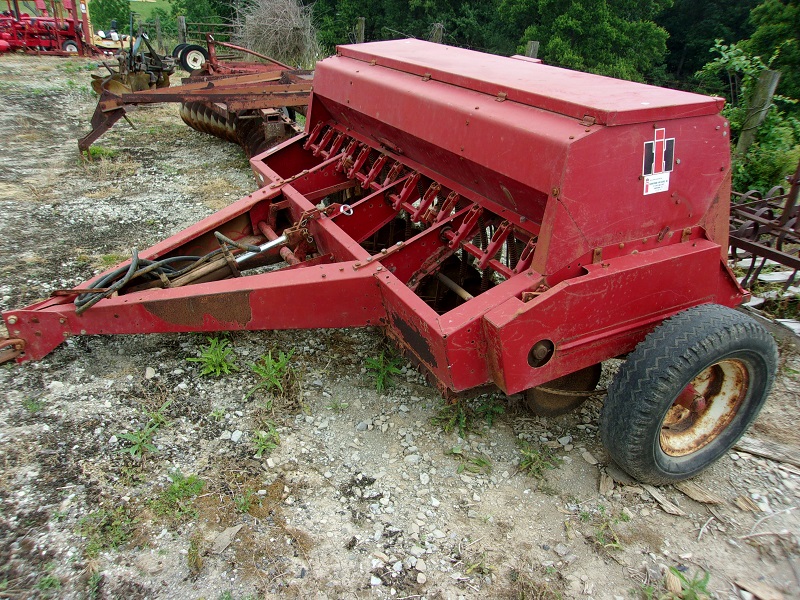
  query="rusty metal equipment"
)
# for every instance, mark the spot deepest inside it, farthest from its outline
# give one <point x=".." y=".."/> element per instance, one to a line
<point x="246" y="102"/>
<point x="139" y="67"/>
<point x="765" y="228"/>
<point x="511" y="225"/>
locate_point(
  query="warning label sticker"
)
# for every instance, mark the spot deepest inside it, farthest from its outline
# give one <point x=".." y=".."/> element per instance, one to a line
<point x="656" y="183"/>
<point x="659" y="158"/>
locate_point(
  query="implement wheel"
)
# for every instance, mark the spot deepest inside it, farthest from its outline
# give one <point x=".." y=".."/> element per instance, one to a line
<point x="563" y="394"/>
<point x="687" y="393"/>
<point x="193" y="57"/>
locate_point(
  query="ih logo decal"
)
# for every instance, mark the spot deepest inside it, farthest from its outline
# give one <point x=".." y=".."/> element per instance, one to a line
<point x="659" y="157"/>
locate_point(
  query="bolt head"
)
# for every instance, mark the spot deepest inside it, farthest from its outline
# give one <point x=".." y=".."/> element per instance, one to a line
<point x="12" y="320"/>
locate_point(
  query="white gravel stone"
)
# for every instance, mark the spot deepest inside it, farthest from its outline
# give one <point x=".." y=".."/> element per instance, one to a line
<point x="236" y="436"/>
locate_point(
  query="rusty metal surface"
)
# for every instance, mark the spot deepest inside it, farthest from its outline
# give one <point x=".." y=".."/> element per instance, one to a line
<point x="11" y="349"/>
<point x="767" y="227"/>
<point x="233" y="101"/>
<point x="559" y="396"/>
<point x="705" y="408"/>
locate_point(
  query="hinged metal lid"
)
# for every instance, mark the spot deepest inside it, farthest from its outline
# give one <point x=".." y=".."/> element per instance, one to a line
<point x="570" y="93"/>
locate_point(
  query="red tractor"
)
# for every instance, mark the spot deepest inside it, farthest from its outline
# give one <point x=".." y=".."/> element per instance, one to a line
<point x="510" y="224"/>
<point x="57" y="31"/>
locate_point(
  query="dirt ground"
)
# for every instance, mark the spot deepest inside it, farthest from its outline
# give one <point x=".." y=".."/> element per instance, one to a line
<point x="364" y="494"/>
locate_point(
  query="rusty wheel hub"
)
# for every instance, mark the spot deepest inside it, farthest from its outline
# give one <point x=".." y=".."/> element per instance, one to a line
<point x="704" y="408"/>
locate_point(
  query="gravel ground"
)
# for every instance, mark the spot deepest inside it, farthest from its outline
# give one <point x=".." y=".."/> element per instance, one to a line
<point x="365" y="494"/>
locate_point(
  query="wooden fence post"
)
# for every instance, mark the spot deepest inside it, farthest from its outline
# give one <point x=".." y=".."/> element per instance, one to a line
<point x="757" y="106"/>
<point x="159" y="37"/>
<point x="360" y="27"/>
<point x="437" y="33"/>
<point x="181" y="30"/>
<point x="532" y="49"/>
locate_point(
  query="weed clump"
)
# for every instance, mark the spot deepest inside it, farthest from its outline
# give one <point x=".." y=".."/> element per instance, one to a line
<point x="383" y="368"/>
<point x="175" y="501"/>
<point x="107" y="528"/>
<point x="216" y="358"/>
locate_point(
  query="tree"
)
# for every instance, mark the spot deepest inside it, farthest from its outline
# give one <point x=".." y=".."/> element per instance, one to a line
<point x="694" y="26"/>
<point x="610" y="37"/>
<point x="776" y="150"/>
<point x="204" y="11"/>
<point x="775" y="40"/>
<point x="102" y="12"/>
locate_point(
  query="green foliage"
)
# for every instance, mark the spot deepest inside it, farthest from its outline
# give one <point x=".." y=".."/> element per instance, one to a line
<point x="489" y="410"/>
<point x="32" y="405"/>
<point x="338" y="406"/>
<point x="536" y="461"/>
<point x="272" y="372"/>
<point x="103" y="11"/>
<point x="175" y="501"/>
<point x="456" y="416"/>
<point x="477" y="463"/>
<point x="245" y="502"/>
<point x="141" y="440"/>
<point x="265" y="441"/>
<point x="48" y="583"/>
<point x="194" y="557"/>
<point x="775" y="153"/>
<point x="216" y="358"/>
<point x="777" y="23"/>
<point x="694" y="588"/>
<point x="107" y="529"/>
<point x="609" y="37"/>
<point x="383" y="368"/>
<point x="204" y="11"/>
<point x="694" y="26"/>
<point x="100" y="153"/>
<point x="93" y="586"/>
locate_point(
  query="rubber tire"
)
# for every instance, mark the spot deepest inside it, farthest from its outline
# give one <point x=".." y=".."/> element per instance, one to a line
<point x="176" y="51"/>
<point x="70" y="46"/>
<point x="185" y="55"/>
<point x="660" y="367"/>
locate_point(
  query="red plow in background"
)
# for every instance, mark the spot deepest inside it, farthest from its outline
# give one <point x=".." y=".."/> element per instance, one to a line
<point x="240" y="101"/>
<point x="61" y="30"/>
<point x="509" y="224"/>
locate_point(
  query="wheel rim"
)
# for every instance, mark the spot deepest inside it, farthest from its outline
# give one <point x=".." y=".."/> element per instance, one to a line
<point x="704" y="408"/>
<point x="195" y="59"/>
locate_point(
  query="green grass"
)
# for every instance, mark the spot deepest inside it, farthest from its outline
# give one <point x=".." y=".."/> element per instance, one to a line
<point x="145" y="9"/>
<point x="246" y="501"/>
<point x="106" y="529"/>
<point x="175" y="502"/>
<point x="32" y="405"/>
<point x="100" y="153"/>
<point x="477" y="463"/>
<point x="536" y="461"/>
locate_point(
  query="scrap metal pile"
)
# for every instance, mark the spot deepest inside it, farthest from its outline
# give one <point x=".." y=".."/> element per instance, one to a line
<point x="510" y="225"/>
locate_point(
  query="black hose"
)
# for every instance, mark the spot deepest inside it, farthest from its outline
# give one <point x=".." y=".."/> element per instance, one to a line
<point x="117" y="279"/>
